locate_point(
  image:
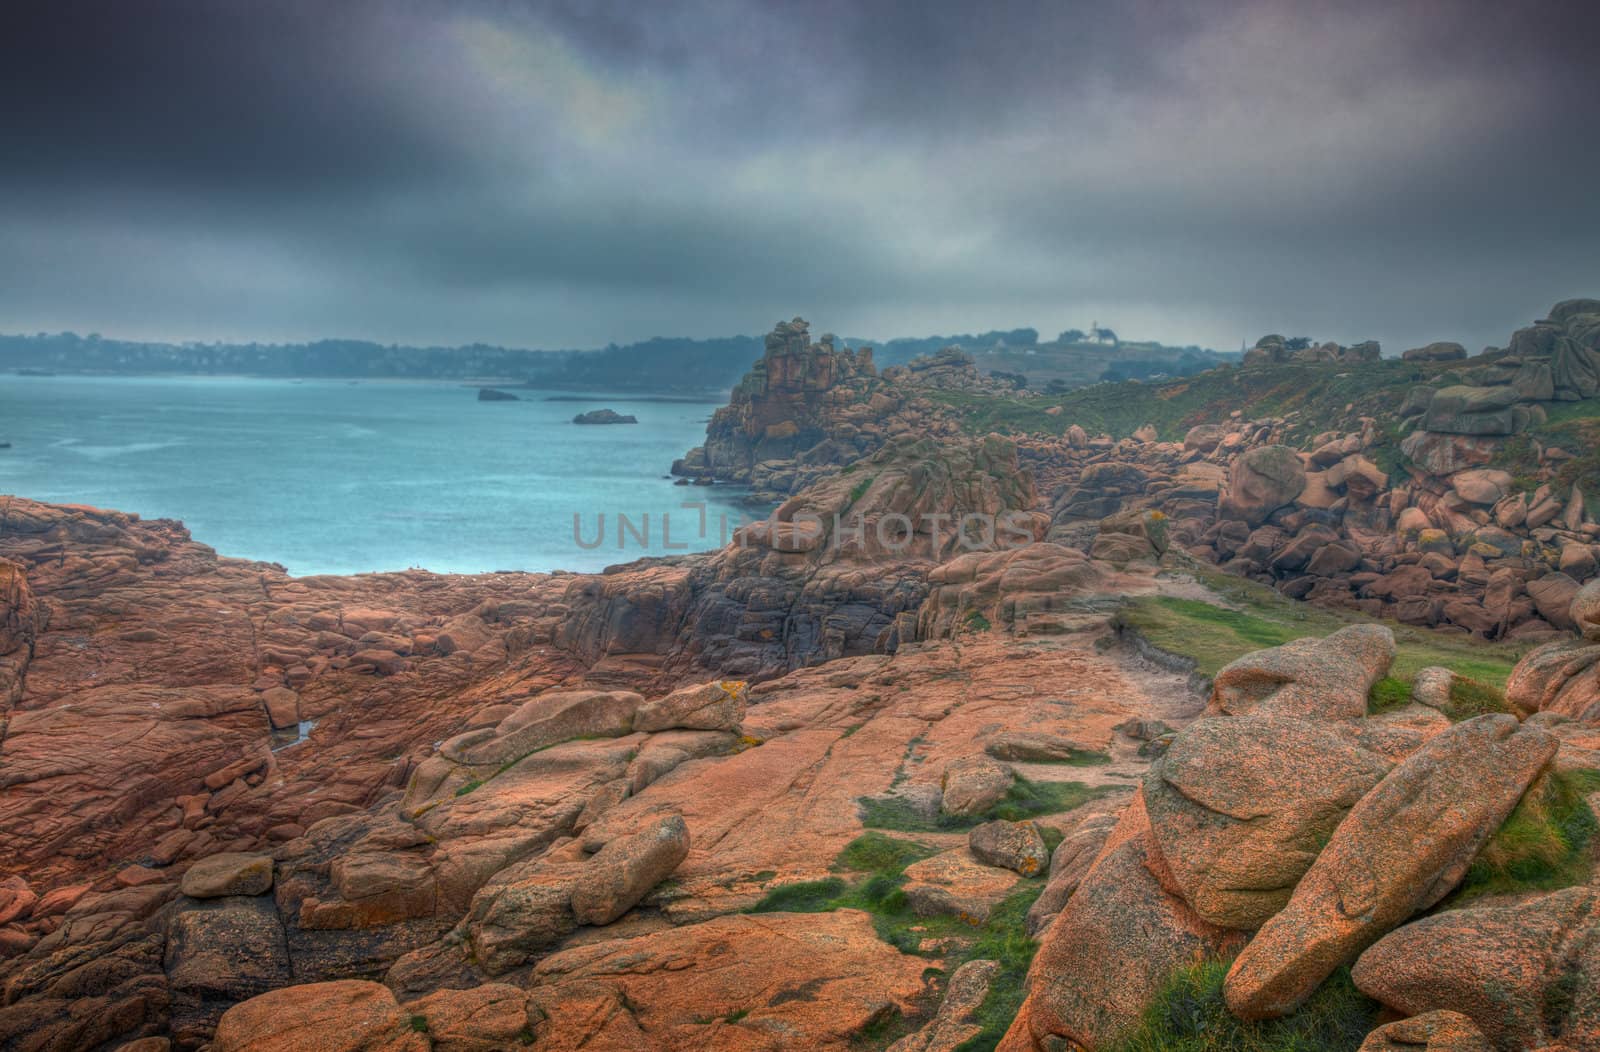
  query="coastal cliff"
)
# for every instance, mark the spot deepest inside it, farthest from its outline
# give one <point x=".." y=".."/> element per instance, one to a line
<point x="893" y="768"/>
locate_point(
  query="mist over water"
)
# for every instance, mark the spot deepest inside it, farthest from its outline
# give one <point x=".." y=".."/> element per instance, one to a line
<point x="334" y="477"/>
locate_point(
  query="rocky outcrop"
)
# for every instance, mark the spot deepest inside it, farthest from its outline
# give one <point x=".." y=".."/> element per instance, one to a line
<point x="1325" y="678"/>
<point x="1524" y="974"/>
<point x="494" y="394"/>
<point x="1402" y="517"/>
<point x="605" y="416"/>
<point x="1293" y="827"/>
<point x="807" y="409"/>
<point x="1401" y="849"/>
<point x="1113" y="945"/>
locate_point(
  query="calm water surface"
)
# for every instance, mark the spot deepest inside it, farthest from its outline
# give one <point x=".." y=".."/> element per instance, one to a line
<point x="325" y="476"/>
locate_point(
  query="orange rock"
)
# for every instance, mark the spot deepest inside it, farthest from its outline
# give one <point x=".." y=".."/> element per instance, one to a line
<point x="1111" y="948"/>
<point x="621" y="873"/>
<point x="1240" y="807"/>
<point x="1323" y="678"/>
<point x="346" y="1016"/>
<point x="1524" y="973"/>
<point x="1401" y="849"/>
<point x="1431" y="1032"/>
<point x="488" y="1018"/>
<point x="742" y="981"/>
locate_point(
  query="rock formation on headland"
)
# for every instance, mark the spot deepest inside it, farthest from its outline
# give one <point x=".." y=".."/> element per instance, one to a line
<point x="807" y="409"/>
<point x="820" y="788"/>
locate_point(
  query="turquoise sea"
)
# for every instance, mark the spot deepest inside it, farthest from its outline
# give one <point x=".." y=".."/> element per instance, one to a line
<point x="328" y="476"/>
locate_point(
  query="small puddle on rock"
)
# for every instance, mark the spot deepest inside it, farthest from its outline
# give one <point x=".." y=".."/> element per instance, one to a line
<point x="287" y="736"/>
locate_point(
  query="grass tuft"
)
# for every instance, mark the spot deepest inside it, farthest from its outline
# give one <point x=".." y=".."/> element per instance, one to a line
<point x="1387" y="695"/>
<point x="1189" y="1015"/>
<point x="1469" y="698"/>
<point x="1544" y="843"/>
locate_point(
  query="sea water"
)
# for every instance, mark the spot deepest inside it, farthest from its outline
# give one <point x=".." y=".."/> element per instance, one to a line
<point x="330" y="476"/>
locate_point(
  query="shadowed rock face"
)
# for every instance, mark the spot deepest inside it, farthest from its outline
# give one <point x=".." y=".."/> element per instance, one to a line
<point x="829" y="575"/>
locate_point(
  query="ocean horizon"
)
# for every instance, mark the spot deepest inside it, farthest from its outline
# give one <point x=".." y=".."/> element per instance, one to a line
<point x="342" y="477"/>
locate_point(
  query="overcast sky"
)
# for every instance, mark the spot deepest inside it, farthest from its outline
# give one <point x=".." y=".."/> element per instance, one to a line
<point x="569" y="174"/>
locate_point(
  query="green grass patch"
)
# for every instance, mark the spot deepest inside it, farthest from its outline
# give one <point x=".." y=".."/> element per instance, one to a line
<point x="1003" y="938"/>
<point x="1026" y="799"/>
<point x="878" y="863"/>
<point x="1387" y="695"/>
<point x="859" y="490"/>
<point x="1469" y="698"/>
<point x="811" y="896"/>
<point x="1212" y="635"/>
<point x="469" y="787"/>
<point x="1189" y="1015"/>
<point x="418" y="1024"/>
<point x="1544" y="843"/>
<point x="976" y="622"/>
<point x="879" y="855"/>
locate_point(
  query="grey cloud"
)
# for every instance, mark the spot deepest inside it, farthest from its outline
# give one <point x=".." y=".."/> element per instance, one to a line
<point x="567" y="174"/>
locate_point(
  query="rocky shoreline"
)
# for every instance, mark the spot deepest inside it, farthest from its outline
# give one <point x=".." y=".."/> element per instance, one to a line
<point x="865" y="777"/>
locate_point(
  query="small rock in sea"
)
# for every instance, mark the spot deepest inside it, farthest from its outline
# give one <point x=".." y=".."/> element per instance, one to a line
<point x="604" y="416"/>
<point x="490" y="394"/>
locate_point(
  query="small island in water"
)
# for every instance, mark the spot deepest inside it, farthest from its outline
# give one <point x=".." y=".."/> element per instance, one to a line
<point x="605" y="416"/>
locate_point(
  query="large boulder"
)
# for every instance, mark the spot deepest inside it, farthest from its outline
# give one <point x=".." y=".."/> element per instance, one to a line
<point x="550" y="718"/>
<point x="1562" y="677"/>
<point x="1241" y="807"/>
<point x="1014" y="845"/>
<point x="1485" y="486"/>
<point x="624" y="871"/>
<point x="350" y="1015"/>
<point x="1526" y="973"/>
<point x="1441" y="351"/>
<point x="973" y="784"/>
<point x="1263" y="480"/>
<point x="1401" y="849"/>
<point x="1472" y="411"/>
<point x="1320" y="678"/>
<point x="1107" y="953"/>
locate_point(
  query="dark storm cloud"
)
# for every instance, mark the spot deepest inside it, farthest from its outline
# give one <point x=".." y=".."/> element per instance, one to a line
<point x="573" y="173"/>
